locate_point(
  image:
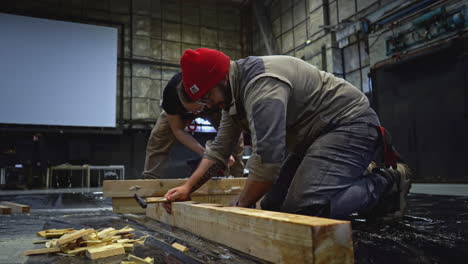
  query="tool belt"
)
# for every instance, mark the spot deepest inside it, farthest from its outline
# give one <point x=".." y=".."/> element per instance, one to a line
<point x="390" y="155"/>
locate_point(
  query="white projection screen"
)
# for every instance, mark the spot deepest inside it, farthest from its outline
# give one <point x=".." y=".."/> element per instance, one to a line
<point x="57" y="73"/>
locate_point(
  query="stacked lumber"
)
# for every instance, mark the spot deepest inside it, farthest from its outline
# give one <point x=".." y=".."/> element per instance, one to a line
<point x="10" y="207"/>
<point x="94" y="244"/>
<point x="271" y="236"/>
<point x="216" y="190"/>
<point x="5" y="210"/>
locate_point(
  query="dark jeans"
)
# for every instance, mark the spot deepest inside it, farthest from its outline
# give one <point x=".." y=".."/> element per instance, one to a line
<point x="329" y="179"/>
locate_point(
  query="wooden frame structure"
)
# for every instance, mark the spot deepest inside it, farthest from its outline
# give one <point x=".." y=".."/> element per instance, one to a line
<point x="217" y="190"/>
<point x="272" y="236"/>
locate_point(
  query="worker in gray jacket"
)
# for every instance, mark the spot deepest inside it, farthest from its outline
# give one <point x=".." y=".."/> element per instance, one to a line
<point x="313" y="136"/>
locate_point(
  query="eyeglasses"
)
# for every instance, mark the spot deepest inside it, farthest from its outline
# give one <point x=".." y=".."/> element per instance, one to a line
<point x="203" y="106"/>
<point x="205" y="99"/>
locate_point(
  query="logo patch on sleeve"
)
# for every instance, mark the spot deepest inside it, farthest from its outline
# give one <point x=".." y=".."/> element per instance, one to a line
<point x="194" y="89"/>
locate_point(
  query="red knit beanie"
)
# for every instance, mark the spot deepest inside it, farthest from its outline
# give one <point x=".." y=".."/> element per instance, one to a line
<point x="202" y="69"/>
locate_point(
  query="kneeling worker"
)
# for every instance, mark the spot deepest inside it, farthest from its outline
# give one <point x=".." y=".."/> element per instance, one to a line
<point x="313" y="136"/>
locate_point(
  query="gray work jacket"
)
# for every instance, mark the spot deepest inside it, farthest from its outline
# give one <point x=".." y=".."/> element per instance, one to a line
<point x="285" y="104"/>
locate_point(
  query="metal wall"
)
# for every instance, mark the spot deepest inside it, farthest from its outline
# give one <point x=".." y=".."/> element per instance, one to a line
<point x="307" y="29"/>
<point x="423" y="101"/>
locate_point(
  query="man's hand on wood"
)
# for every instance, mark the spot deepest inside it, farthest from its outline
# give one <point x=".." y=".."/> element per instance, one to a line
<point x="177" y="194"/>
<point x="231" y="161"/>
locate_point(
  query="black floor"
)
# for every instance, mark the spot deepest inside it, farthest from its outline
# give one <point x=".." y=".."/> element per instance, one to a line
<point x="435" y="230"/>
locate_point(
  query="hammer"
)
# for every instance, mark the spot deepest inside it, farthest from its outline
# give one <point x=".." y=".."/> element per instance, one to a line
<point x="144" y="203"/>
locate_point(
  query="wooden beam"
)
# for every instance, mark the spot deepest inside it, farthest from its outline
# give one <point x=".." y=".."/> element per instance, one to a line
<point x="130" y="206"/>
<point x="272" y="236"/>
<point x="105" y="251"/>
<point x="17" y="208"/>
<point x="154" y="188"/>
<point x="5" y="210"/>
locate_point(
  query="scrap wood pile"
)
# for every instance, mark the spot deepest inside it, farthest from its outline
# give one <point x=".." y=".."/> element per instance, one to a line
<point x="94" y="244"/>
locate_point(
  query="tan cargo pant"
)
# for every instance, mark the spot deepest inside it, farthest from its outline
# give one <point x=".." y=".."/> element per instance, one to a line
<point x="162" y="139"/>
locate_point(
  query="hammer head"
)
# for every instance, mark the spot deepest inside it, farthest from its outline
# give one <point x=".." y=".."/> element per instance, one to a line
<point x="140" y="201"/>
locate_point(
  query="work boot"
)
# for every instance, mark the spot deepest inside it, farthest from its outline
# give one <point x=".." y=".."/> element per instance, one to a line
<point x="392" y="205"/>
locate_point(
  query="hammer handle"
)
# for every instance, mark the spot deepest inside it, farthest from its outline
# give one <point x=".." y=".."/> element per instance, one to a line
<point x="156" y="200"/>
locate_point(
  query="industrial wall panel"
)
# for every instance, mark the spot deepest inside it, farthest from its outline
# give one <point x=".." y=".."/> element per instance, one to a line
<point x="171" y="11"/>
<point x="299" y="12"/>
<point x="354" y="78"/>
<point x="300" y="34"/>
<point x="286" y="21"/>
<point x="142" y="25"/>
<point x="141" y="87"/>
<point x="362" y="4"/>
<point x="141" y="6"/>
<point x="171" y="31"/>
<point x="315" y="21"/>
<point x="116" y="6"/>
<point x="171" y="51"/>
<point x="275" y="9"/>
<point x="314" y="4"/>
<point x="365" y="79"/>
<point x="276" y="27"/>
<point x="191" y="34"/>
<point x="156" y="49"/>
<point x="141" y="46"/>
<point x="209" y="37"/>
<point x="346" y="9"/>
<point x="351" y="57"/>
<point x="190" y="15"/>
<point x="333" y="13"/>
<point x="288" y="41"/>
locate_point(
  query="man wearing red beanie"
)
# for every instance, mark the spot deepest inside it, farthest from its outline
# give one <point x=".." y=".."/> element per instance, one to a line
<point x="313" y="137"/>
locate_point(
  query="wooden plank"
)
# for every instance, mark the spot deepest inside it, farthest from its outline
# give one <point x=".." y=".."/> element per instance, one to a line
<point x="272" y="236"/>
<point x="54" y="233"/>
<point x="138" y="260"/>
<point x="154" y="188"/>
<point x="17" y="208"/>
<point x="128" y="247"/>
<point x="180" y="247"/>
<point x="5" y="210"/>
<point x="41" y="251"/>
<point x="130" y="206"/>
<point x="105" y="251"/>
<point x="75" y="235"/>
